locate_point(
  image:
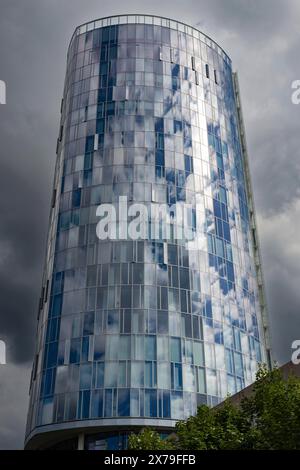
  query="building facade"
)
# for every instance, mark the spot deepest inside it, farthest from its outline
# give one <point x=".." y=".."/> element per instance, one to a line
<point x="138" y="332"/>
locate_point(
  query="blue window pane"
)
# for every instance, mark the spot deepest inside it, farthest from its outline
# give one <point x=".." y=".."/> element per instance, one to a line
<point x="76" y="198"/>
<point x="85" y="349"/>
<point x="108" y="403"/>
<point x="84" y="400"/>
<point x="160" y="159"/>
<point x="56" y="306"/>
<point x="52" y="354"/>
<point x="226" y="231"/>
<point x="97" y="404"/>
<point x="99" y="375"/>
<point x="48" y="382"/>
<point x="89" y="145"/>
<point x="166" y="405"/>
<point x="151" y="403"/>
<point x="230" y="271"/>
<point x="99" y="348"/>
<point x="75" y="350"/>
<point x="238" y="364"/>
<point x="208" y="308"/>
<point x="53" y="329"/>
<point x="176" y="376"/>
<point x="229" y="361"/>
<point x="123" y="402"/>
<point x="217" y="209"/>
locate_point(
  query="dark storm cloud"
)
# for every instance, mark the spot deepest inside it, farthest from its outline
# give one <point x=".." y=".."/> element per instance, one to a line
<point x="23" y="209"/>
<point x="14" y="385"/>
<point x="281" y="251"/>
<point x="262" y="38"/>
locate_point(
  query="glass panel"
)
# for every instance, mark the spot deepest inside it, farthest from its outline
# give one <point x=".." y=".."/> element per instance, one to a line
<point x="123" y="402"/>
<point x="150" y="347"/>
<point x="137" y="374"/>
<point x="97" y="404"/>
<point x="162" y="348"/>
<point x="175" y="349"/>
<point x="124" y="347"/>
<point x="111" y="374"/>
<point x="85" y="376"/>
<point x="198" y="353"/>
<point x="163" y="375"/>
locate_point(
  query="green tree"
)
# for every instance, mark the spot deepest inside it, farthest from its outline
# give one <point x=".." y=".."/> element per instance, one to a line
<point x="268" y="419"/>
<point x="148" y="439"/>
<point x="273" y="412"/>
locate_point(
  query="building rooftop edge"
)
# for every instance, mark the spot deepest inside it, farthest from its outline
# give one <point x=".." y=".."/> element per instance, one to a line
<point x="93" y="24"/>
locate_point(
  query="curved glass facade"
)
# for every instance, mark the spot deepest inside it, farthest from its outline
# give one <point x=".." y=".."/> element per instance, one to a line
<point x="136" y="332"/>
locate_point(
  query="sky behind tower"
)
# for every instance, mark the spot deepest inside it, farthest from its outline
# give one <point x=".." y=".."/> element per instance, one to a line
<point x="262" y="37"/>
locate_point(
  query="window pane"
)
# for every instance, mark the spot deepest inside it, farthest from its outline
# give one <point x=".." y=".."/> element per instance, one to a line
<point x="111" y="374"/>
<point x="163" y="375"/>
<point x="138" y="347"/>
<point x="162" y="348"/>
<point x="124" y="347"/>
<point x="99" y="348"/>
<point x="150" y="348"/>
<point x="162" y="322"/>
<point x="112" y="346"/>
<point x="176" y="405"/>
<point x="150" y="403"/>
<point x="137" y="374"/>
<point x="123" y="402"/>
<point x="99" y="374"/>
<point x="113" y="321"/>
<point x="201" y="384"/>
<point x="122" y="374"/>
<point x="97" y="404"/>
<point x="150" y="374"/>
<point x="211" y="378"/>
<point x="188" y="378"/>
<point x="85" y="376"/>
<point x="198" y="353"/>
<point x="175" y="349"/>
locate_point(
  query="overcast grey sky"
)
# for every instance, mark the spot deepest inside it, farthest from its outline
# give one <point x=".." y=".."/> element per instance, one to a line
<point x="263" y="39"/>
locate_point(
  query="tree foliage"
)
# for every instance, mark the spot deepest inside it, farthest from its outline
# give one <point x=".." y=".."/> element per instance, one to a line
<point x="267" y="419"/>
<point x="149" y="439"/>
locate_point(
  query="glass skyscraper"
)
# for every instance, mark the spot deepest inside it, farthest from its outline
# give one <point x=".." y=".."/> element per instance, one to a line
<point x="139" y="332"/>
